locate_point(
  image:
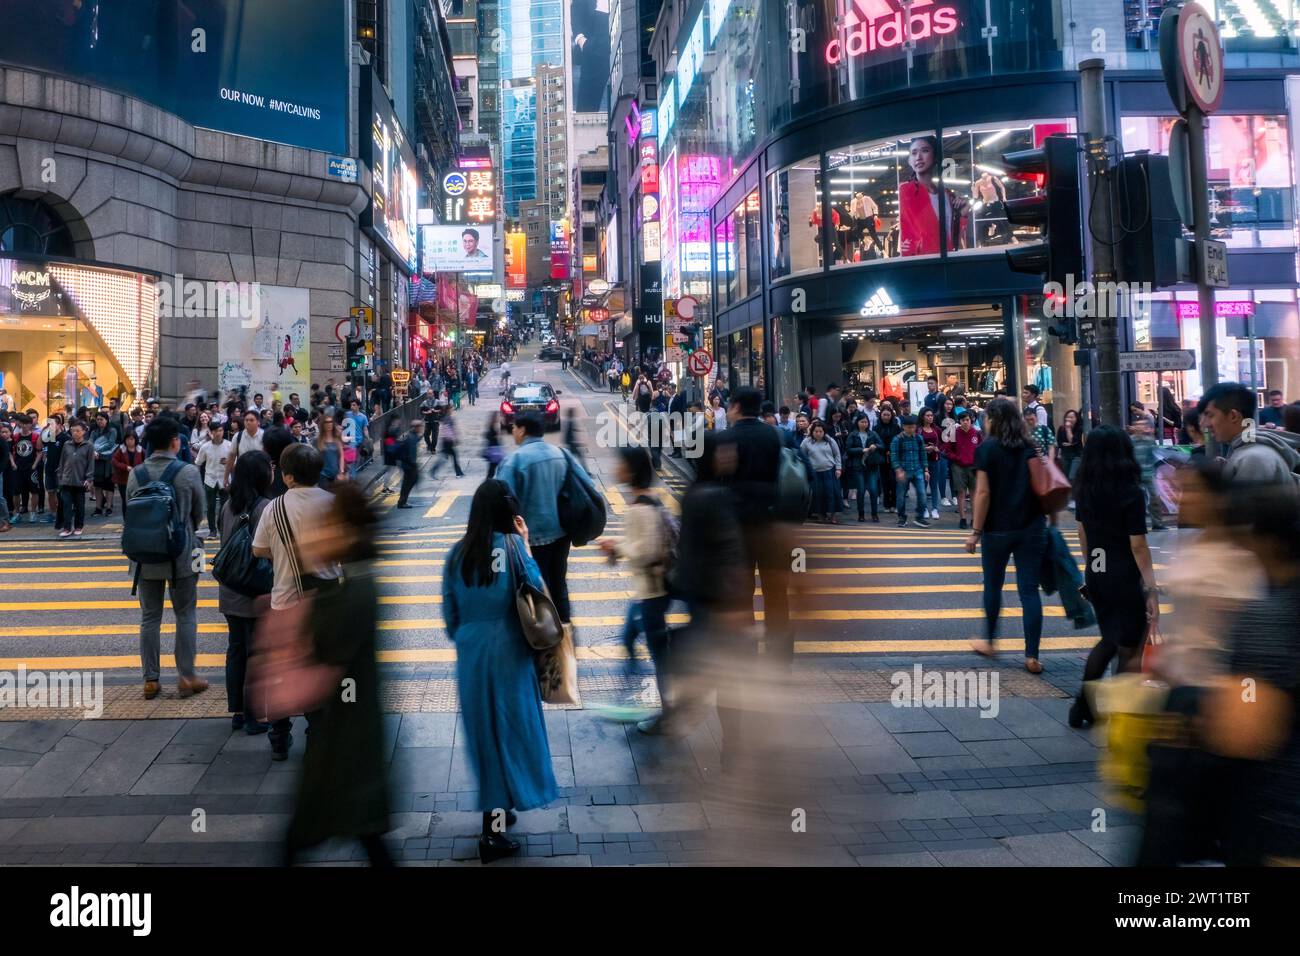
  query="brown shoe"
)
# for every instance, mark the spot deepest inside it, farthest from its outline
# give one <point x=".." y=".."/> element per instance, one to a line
<point x="189" y="686"/>
<point x="151" y="688"/>
<point x="1032" y="665"/>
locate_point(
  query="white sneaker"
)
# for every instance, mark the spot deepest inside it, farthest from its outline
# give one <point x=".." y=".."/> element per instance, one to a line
<point x="946" y="503"/>
<point x="65" y="533"/>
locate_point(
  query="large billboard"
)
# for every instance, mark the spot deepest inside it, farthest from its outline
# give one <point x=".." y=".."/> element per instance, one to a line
<point x="273" y="357"/>
<point x="457" y="249"/>
<point x="516" y="260"/>
<point x="589" y="22"/>
<point x="395" y="191"/>
<point x="274" y="71"/>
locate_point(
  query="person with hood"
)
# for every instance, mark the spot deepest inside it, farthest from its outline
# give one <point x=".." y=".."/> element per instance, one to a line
<point x="1263" y="456"/>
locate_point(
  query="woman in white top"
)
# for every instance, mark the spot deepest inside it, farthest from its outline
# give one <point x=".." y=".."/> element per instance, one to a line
<point x="200" y="435"/>
<point x="719" y="414"/>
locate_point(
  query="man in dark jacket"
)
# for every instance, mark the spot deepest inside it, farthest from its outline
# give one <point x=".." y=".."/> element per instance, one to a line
<point x="758" y="463"/>
<point x="408" y="456"/>
<point x="676" y="415"/>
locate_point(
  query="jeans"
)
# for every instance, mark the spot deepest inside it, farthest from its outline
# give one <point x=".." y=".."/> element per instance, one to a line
<point x="1027" y="547"/>
<point x="184" y="593"/>
<point x="553" y="562"/>
<point x="73" y="500"/>
<point x="410" y="475"/>
<point x="1153" y="503"/>
<point x="866" y="482"/>
<point x="826" y="492"/>
<point x="4" y="511"/>
<point x="647" y="617"/>
<point x="938" y="481"/>
<point x="767" y="546"/>
<point x="917" y="481"/>
<point x="216" y="500"/>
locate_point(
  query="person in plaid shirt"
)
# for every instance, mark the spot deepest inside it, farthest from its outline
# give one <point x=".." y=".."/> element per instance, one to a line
<point x="907" y="453"/>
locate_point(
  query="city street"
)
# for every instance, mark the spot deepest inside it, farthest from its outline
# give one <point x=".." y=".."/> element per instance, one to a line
<point x="881" y="784"/>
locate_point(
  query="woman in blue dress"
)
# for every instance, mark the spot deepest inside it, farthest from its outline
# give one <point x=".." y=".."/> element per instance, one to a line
<point x="499" y="696"/>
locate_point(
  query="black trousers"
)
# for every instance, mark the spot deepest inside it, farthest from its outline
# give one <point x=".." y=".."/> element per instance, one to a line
<point x="553" y="561"/>
<point x="410" y="475"/>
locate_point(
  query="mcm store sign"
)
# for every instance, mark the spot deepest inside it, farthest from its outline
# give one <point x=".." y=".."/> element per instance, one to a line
<point x="878" y="25"/>
<point x="27" y="289"/>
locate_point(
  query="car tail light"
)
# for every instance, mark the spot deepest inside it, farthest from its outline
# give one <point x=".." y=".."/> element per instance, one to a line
<point x="552" y="406"/>
<point x="507" y="408"/>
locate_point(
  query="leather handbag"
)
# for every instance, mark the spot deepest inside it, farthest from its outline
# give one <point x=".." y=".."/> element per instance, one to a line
<point x="1049" y="484"/>
<point x="557" y="671"/>
<point x="538" y="617"/>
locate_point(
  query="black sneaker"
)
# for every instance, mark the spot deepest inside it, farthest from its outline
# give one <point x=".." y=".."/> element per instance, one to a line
<point x="922" y="523"/>
<point x="876" y="518"/>
<point x="962" y="524"/>
<point x="280" y="747"/>
<point x="237" y="722"/>
<point x="902" y="521"/>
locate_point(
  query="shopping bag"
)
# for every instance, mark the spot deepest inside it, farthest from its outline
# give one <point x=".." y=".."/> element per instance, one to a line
<point x="1132" y="706"/>
<point x="557" y="671"/>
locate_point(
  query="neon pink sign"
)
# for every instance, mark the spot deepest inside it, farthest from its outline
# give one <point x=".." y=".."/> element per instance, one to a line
<point x="881" y="24"/>
<point x="1192" y="310"/>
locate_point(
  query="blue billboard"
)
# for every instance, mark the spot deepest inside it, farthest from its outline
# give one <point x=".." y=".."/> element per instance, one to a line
<point x="274" y="71"/>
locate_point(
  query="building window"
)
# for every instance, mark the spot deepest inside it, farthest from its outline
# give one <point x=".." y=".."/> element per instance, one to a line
<point x="972" y="162"/>
<point x="1250" y="173"/>
<point x="794" y="197"/>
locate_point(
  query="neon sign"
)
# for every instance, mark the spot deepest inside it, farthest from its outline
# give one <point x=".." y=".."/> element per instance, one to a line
<point x="881" y="24"/>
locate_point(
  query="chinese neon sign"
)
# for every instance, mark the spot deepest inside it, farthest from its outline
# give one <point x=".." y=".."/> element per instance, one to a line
<point x="883" y="24"/>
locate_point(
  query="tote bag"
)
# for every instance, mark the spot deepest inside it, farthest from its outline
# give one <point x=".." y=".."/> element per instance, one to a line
<point x="284" y="676"/>
<point x="1049" y="484"/>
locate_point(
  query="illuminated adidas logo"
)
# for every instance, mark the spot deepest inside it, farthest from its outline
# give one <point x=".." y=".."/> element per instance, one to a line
<point x="880" y="304"/>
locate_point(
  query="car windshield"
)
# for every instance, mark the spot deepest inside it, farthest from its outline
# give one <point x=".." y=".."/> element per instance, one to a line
<point x="527" y="393"/>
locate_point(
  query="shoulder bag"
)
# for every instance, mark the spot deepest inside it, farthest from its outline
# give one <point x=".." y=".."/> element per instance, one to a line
<point x="285" y="678"/>
<point x="237" y="567"/>
<point x="1049" y="484"/>
<point x="538" y="616"/>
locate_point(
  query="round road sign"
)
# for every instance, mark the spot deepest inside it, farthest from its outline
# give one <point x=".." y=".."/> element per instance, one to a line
<point x="1201" y="55"/>
<point x="343" y="331"/>
<point x="699" y="363"/>
<point x="686" y="306"/>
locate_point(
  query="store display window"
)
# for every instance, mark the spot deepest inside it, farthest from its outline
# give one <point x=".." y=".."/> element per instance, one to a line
<point x="1251" y="176"/>
<point x="973" y="169"/>
<point x="795" y="217"/>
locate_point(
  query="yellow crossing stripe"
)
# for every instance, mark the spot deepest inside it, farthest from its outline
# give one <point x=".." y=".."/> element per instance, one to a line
<point x="598" y="653"/>
<point x="440" y="507"/>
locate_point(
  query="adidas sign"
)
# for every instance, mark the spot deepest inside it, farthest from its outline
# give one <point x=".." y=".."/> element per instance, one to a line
<point x="880" y="304"/>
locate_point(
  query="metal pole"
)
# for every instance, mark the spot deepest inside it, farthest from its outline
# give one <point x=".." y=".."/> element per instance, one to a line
<point x="1201" y="213"/>
<point x="1098" y="217"/>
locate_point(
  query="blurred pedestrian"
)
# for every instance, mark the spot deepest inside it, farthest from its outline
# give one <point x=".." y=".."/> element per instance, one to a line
<point x="500" y="700"/>
<point x="492" y="451"/>
<point x="408" y="455"/>
<point x="1120" y="576"/>
<point x="448" y="431"/>
<point x="344" y="789"/>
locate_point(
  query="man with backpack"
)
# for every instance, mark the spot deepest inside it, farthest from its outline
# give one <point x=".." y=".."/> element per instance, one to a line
<point x="164" y="506"/>
<point x="537" y="474"/>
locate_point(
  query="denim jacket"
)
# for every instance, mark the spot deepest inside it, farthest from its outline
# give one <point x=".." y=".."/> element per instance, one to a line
<point x="535" y="473"/>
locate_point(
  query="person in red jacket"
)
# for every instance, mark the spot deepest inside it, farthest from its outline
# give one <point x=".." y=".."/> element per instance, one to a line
<point x="959" y="448"/>
<point x="923" y="201"/>
<point x="125" y="457"/>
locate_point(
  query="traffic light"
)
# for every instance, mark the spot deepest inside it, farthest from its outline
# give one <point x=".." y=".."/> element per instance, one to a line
<point x="1150" y="228"/>
<point x="356" y="355"/>
<point x="692" y="332"/>
<point x="1057" y="213"/>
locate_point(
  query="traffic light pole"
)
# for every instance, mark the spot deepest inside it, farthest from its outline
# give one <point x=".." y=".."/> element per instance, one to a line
<point x="1201" y="215"/>
<point x="1098" y="208"/>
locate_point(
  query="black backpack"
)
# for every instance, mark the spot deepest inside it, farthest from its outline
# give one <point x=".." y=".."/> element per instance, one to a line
<point x="153" y="528"/>
<point x="580" y="507"/>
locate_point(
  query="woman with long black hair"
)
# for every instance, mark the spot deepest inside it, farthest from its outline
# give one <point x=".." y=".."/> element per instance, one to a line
<point x="1119" y="574"/>
<point x="500" y="700"/>
<point x="248" y="499"/>
<point x="887" y="428"/>
<point x="1008" y="523"/>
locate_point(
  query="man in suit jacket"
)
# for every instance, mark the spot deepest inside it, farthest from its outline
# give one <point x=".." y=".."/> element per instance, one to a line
<point x="758" y="462"/>
<point x="181" y="575"/>
<point x="676" y="415"/>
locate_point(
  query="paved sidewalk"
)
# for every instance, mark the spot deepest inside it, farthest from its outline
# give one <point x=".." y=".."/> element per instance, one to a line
<point x="854" y="781"/>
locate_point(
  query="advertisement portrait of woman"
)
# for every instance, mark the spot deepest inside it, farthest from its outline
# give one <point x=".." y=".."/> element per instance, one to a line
<point x="920" y="199"/>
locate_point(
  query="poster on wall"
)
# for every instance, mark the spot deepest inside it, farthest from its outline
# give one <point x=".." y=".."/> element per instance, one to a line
<point x="589" y="54"/>
<point x="273" y="358"/>
<point x="274" y="71"/>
